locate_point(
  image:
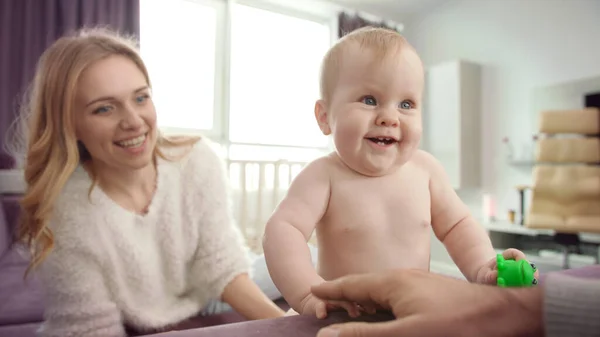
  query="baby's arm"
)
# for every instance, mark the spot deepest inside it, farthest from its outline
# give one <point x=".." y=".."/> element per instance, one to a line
<point x="466" y="240"/>
<point x="288" y="230"/>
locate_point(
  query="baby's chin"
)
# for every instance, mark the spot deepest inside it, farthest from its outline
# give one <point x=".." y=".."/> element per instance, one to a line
<point x="377" y="168"/>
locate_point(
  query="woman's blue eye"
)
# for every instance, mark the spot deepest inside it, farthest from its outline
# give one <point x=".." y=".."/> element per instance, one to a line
<point x="405" y="105"/>
<point x="369" y="100"/>
<point x="102" y="109"/>
<point x="141" y="98"/>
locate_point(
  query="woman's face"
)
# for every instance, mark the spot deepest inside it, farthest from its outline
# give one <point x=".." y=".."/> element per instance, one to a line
<point x="115" y="118"/>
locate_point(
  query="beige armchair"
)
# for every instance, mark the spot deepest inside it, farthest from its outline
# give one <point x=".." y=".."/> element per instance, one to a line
<point x="566" y="185"/>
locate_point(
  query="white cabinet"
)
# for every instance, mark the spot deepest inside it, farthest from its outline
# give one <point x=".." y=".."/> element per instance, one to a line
<point x="452" y="122"/>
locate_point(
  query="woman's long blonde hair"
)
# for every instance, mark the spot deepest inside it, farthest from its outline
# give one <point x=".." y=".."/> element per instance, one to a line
<point x="51" y="151"/>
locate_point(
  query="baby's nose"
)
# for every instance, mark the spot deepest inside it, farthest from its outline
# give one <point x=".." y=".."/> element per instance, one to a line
<point x="387" y="120"/>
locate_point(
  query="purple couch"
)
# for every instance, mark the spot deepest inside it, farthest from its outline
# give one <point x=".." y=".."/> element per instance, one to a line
<point x="21" y="306"/>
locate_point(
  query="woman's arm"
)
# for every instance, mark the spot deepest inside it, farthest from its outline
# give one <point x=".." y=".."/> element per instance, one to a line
<point x="222" y="263"/>
<point x="246" y="298"/>
<point x="77" y="302"/>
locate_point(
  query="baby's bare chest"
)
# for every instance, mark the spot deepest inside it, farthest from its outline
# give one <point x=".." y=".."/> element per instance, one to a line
<point x="383" y="207"/>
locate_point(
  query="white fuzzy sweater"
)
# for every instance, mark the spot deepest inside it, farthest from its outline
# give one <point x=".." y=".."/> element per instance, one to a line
<point x="112" y="267"/>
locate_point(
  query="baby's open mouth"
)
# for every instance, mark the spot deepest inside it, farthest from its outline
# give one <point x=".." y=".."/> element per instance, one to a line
<point x="382" y="140"/>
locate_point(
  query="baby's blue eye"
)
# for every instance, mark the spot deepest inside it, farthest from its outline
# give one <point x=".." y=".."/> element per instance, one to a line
<point x="405" y="105"/>
<point x="369" y="100"/>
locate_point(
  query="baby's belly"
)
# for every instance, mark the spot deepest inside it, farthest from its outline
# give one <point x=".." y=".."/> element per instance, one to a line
<point x="372" y="253"/>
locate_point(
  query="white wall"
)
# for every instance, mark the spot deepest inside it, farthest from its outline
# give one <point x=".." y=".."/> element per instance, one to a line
<point x="521" y="45"/>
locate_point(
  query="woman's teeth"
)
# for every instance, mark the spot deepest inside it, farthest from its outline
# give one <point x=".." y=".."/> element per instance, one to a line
<point x="137" y="141"/>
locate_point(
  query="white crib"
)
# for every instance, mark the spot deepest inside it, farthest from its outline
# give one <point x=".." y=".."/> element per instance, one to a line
<point x="257" y="188"/>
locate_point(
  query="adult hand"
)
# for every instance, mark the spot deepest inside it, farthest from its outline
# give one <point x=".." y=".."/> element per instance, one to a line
<point x="428" y="305"/>
<point x="488" y="274"/>
<point x="311" y="305"/>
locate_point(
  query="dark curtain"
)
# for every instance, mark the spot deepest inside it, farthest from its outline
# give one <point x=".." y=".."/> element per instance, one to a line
<point x="27" y="27"/>
<point x="348" y="22"/>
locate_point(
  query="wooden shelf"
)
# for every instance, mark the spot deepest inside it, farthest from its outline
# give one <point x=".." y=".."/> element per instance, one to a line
<point x="522" y="163"/>
<point x="507" y="227"/>
<point x="532" y="163"/>
<point x="548" y="259"/>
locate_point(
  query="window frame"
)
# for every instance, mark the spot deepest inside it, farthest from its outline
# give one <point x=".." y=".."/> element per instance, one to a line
<point x="215" y="133"/>
<point x="219" y="133"/>
<point x="328" y="18"/>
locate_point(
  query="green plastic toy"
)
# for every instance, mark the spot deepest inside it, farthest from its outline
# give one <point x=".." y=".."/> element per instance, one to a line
<point x="513" y="273"/>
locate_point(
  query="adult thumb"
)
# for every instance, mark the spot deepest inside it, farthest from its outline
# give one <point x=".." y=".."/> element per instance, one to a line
<point x="361" y="329"/>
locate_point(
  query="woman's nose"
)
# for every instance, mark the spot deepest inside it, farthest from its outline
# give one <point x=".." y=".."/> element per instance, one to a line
<point x="131" y="119"/>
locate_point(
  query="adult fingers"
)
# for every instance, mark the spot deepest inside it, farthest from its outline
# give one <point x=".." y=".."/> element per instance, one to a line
<point x="369" y="308"/>
<point x="350" y="307"/>
<point x="363" y="289"/>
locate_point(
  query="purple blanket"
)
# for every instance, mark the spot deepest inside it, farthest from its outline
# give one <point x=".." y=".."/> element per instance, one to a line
<point x="296" y="326"/>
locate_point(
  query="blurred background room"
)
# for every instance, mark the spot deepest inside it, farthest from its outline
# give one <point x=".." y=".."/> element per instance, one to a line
<point x="511" y="101"/>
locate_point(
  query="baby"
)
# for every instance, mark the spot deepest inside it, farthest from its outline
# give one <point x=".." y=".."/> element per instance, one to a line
<point x="374" y="201"/>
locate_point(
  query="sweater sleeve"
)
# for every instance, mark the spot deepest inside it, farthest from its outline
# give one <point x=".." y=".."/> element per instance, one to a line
<point x="571" y="306"/>
<point x="221" y="254"/>
<point x="77" y="300"/>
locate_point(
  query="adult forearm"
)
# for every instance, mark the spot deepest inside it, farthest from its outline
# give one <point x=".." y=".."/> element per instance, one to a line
<point x="506" y="313"/>
<point x="289" y="262"/>
<point x="245" y="297"/>
<point x="471" y="257"/>
<point x="525" y="308"/>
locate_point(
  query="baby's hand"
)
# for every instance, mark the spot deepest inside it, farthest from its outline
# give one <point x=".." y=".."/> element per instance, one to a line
<point x="488" y="274"/>
<point x="312" y="305"/>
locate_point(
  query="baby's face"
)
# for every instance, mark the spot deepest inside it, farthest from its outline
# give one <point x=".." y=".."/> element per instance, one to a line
<point x="374" y="112"/>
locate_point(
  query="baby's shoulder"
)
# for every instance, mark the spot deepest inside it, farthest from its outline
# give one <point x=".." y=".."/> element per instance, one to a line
<point x="424" y="161"/>
<point x="324" y="166"/>
<point x="329" y="161"/>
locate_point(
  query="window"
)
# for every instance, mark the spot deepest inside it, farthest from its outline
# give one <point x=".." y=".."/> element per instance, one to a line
<point x="252" y="88"/>
<point x="178" y="41"/>
<point x="275" y="62"/>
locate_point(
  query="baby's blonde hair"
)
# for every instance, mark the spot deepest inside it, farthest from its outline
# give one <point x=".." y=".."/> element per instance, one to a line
<point x="48" y="135"/>
<point x="382" y="42"/>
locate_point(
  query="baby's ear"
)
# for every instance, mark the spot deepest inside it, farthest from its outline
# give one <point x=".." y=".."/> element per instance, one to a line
<point x="321" y="116"/>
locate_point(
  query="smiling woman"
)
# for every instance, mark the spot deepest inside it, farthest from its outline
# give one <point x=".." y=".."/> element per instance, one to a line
<point x="115" y="121"/>
<point x="129" y="228"/>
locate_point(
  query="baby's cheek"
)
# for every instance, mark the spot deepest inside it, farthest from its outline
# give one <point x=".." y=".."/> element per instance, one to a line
<point x="349" y="133"/>
<point x="411" y="132"/>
